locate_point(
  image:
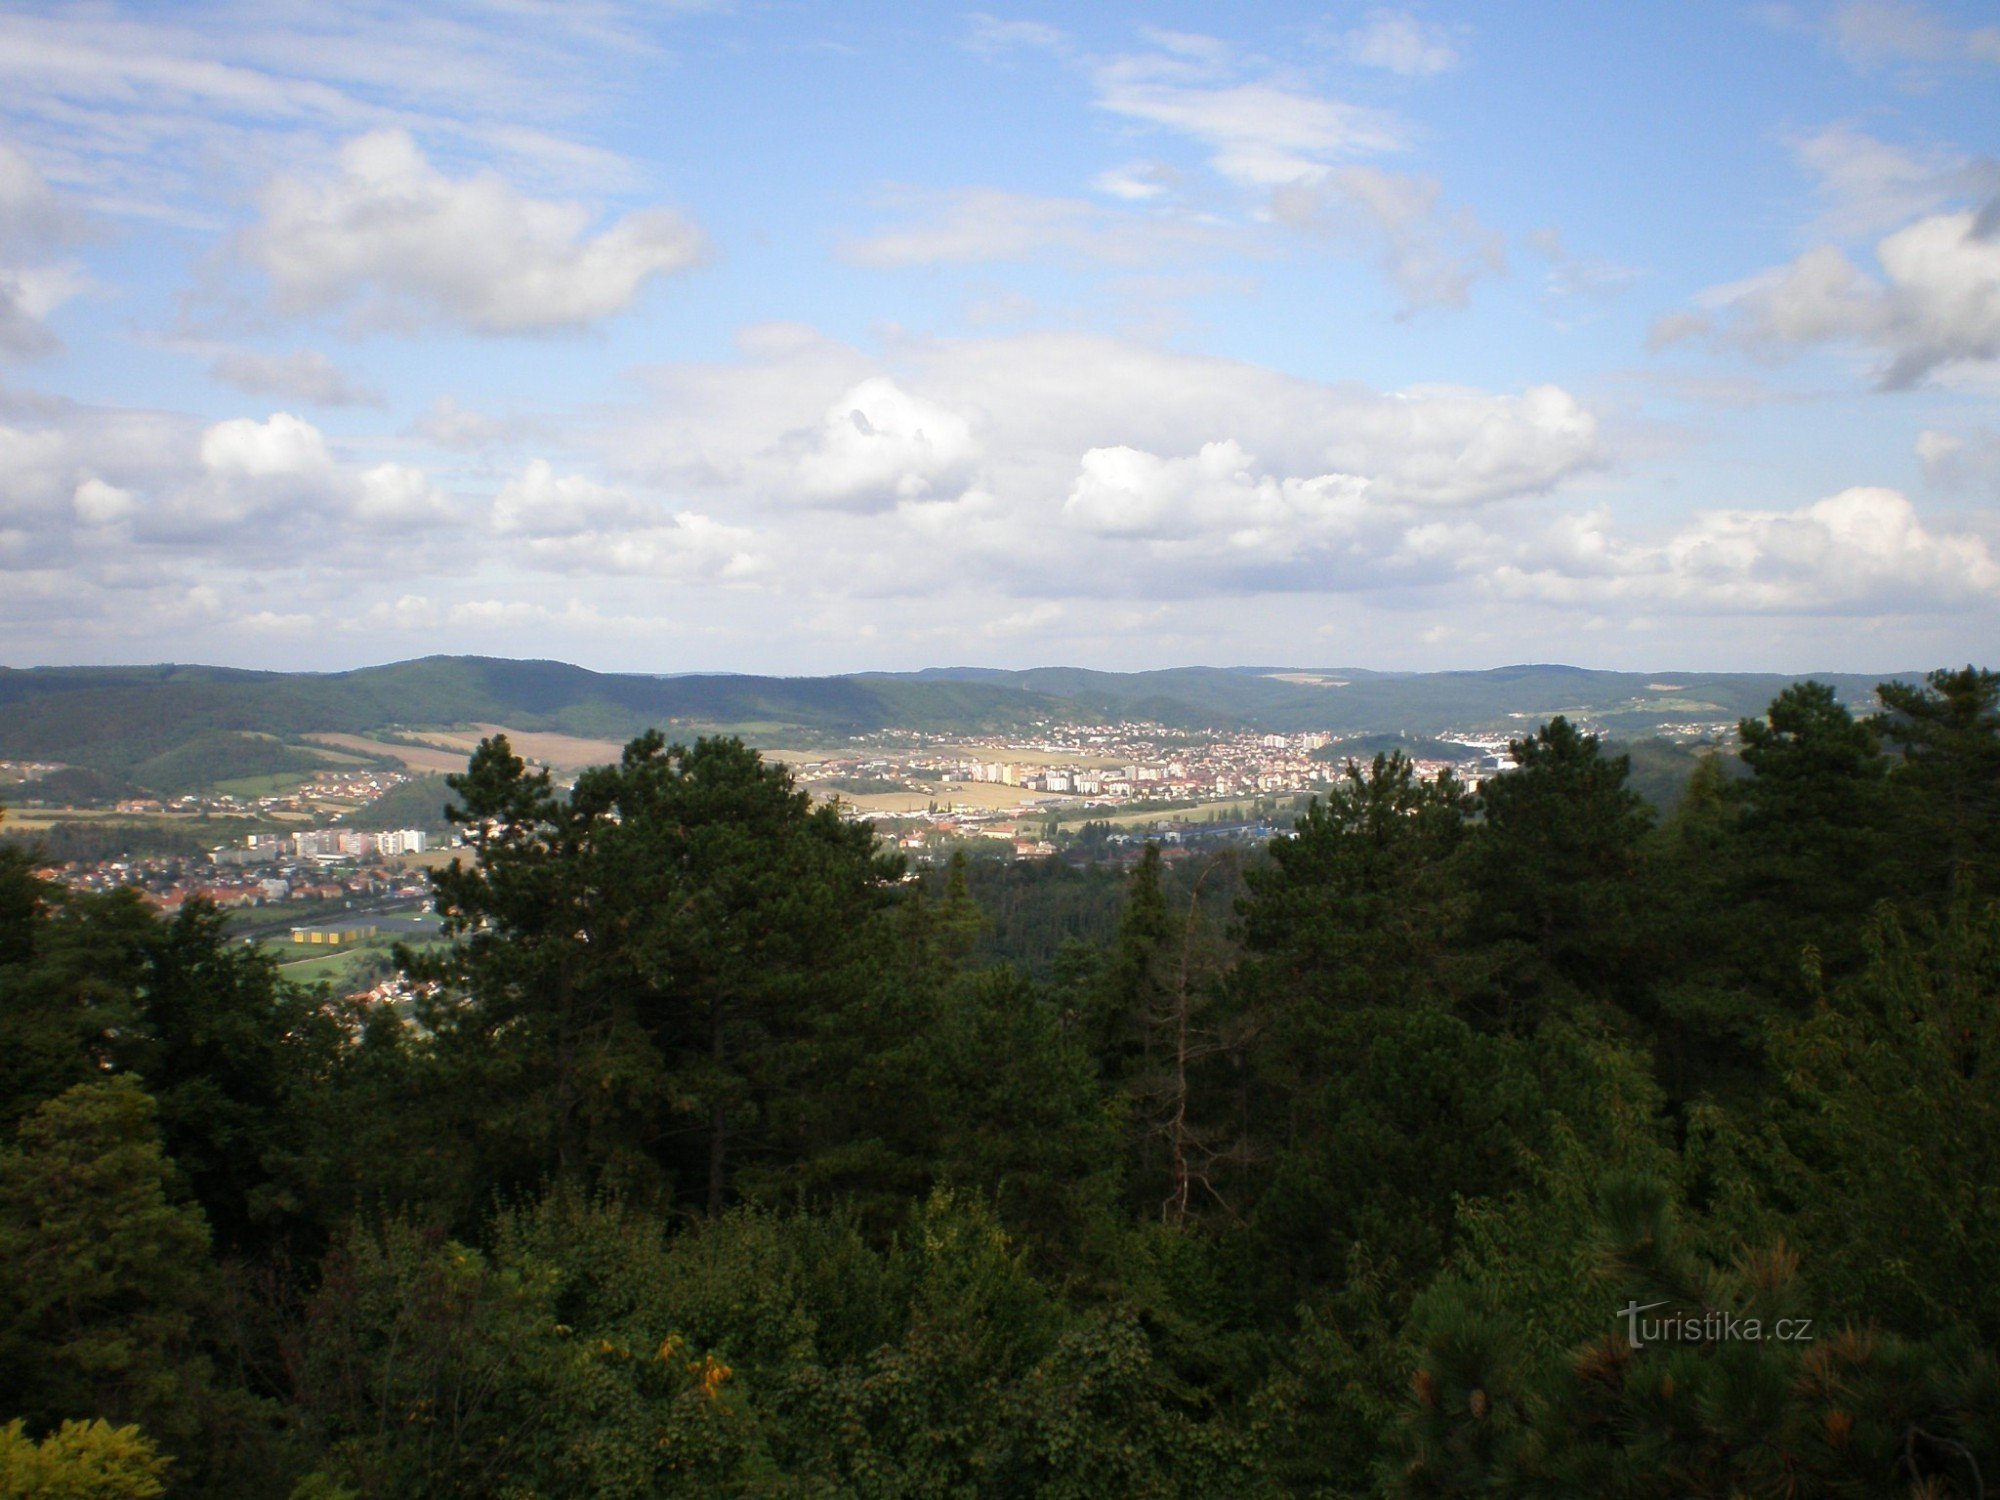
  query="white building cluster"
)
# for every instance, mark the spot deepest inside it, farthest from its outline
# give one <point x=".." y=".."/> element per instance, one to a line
<point x="338" y="843"/>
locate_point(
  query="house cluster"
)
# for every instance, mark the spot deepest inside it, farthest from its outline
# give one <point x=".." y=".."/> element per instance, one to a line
<point x="321" y="864"/>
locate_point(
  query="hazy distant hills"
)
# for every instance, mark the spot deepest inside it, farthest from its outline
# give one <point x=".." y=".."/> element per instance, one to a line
<point x="173" y="727"/>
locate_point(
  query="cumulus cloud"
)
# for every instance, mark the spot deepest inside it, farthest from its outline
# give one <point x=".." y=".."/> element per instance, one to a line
<point x="1214" y="495"/>
<point x="684" y="547"/>
<point x="877" y="444"/>
<point x="1935" y="303"/>
<point x="542" y="503"/>
<point x="570" y="523"/>
<point x="300" y="375"/>
<point x="101" y="504"/>
<point x="1402" y="43"/>
<point x="1066" y="465"/>
<point x="399" y="497"/>
<point x="281" y="446"/>
<point x="1383" y="515"/>
<point x="279" y="474"/>
<point x="1009" y="417"/>
<point x="400" y="244"/>
<point x="1861" y="550"/>
<point x="1452" y="447"/>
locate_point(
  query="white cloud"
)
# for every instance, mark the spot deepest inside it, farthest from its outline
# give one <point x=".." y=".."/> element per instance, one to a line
<point x="147" y="109"/>
<point x="1936" y="302"/>
<point x="300" y="375"/>
<point x="1449" y="447"/>
<point x="1216" y="496"/>
<point x="685" y="547"/>
<point x="1578" y="276"/>
<point x="1138" y="181"/>
<point x="1961" y="461"/>
<point x="1300" y="155"/>
<point x="1872" y="33"/>
<point x="281" y="447"/>
<point x="402" y="245"/>
<point x="33" y="219"/>
<point x="262" y="480"/>
<point x="1432" y="252"/>
<point x="272" y="622"/>
<point x="1861" y="550"/>
<point x="1869" y="185"/>
<point x="569" y="523"/>
<point x="992" y="35"/>
<point x="1402" y="43"/>
<point x="398" y="496"/>
<point x="988" y="224"/>
<point x="1261" y="133"/>
<point x="34" y="222"/>
<point x="448" y="423"/>
<point x="878" y="444"/>
<point x="541" y="503"/>
<point x="101" y="504"/>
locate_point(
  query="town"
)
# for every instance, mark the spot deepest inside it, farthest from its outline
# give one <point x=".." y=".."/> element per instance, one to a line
<point x="304" y="869"/>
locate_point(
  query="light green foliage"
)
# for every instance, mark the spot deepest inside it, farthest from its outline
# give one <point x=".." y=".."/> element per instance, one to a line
<point x="80" y="1461"/>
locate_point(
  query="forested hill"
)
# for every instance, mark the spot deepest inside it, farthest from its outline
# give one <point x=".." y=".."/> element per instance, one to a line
<point x="144" y="722"/>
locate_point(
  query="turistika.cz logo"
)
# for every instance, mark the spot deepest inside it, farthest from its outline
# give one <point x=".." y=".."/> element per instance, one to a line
<point x="1712" y="1327"/>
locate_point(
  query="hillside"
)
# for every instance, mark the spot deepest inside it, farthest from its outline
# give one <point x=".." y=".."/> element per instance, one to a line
<point x="170" y="728"/>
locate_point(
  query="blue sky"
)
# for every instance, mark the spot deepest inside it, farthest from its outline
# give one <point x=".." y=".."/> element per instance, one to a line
<point x="807" y="338"/>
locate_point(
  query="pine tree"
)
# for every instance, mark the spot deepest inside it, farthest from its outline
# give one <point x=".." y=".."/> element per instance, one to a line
<point x="1946" y="789"/>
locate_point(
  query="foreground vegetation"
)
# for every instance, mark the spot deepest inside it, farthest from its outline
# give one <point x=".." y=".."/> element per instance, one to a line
<point x="725" y="1160"/>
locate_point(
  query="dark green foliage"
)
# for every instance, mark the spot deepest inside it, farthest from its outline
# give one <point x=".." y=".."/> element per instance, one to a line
<point x="1661" y="770"/>
<point x="75" y="786"/>
<point x="418" y="803"/>
<point x="1947" y="807"/>
<point x="1814" y="831"/>
<point x="646" y="965"/>
<point x="216" y="755"/>
<point x="112" y="838"/>
<point x="1362" y="748"/>
<point x="1892" y="1091"/>
<point x="1357" y="907"/>
<point x="1555" y="873"/>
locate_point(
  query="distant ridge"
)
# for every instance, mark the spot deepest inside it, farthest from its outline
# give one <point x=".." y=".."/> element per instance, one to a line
<point x="159" y="725"/>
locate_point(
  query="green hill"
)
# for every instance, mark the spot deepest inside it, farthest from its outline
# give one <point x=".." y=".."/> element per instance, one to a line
<point x="179" y="728"/>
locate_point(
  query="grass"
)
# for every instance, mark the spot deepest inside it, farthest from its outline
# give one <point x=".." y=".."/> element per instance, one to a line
<point x="334" y="966"/>
<point x="260" y="786"/>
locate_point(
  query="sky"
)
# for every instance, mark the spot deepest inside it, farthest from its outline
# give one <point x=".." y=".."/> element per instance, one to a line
<point x="797" y="338"/>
